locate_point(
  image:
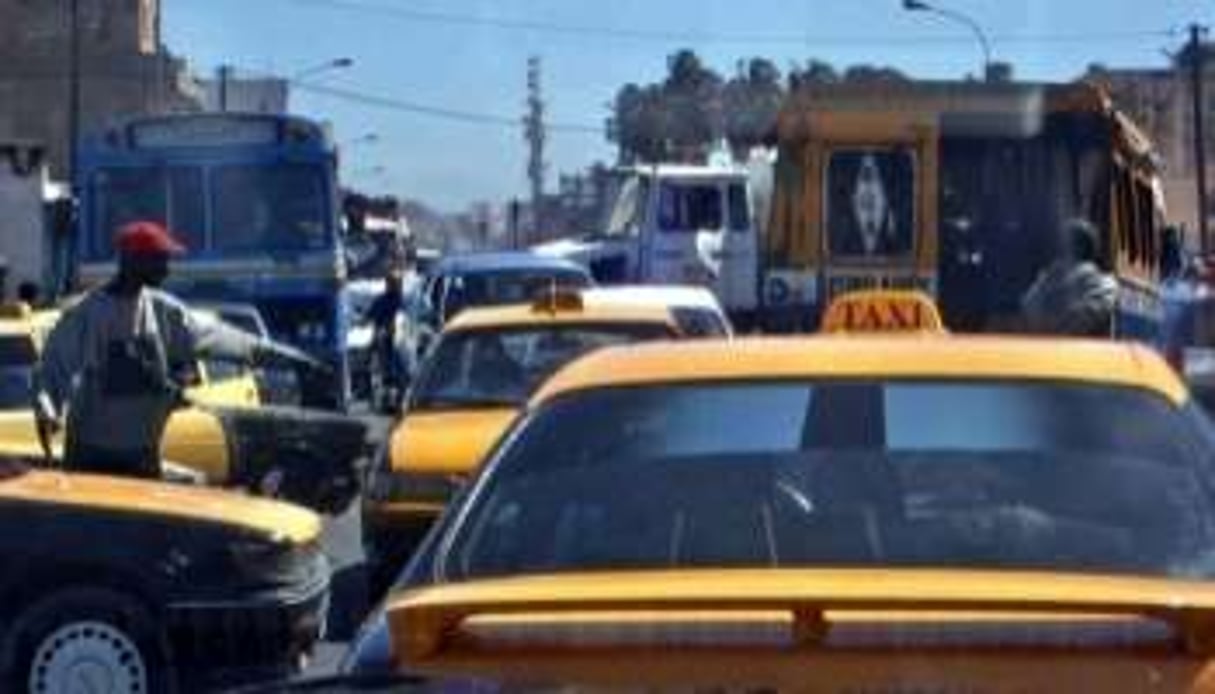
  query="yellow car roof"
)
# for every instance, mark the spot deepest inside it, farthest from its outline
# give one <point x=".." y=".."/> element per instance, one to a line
<point x="871" y="356"/>
<point x="521" y="315"/>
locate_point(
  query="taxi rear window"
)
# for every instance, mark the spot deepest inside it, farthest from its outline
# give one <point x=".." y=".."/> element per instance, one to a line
<point x="994" y="475"/>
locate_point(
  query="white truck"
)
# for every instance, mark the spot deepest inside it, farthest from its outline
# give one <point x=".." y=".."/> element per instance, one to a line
<point x="677" y="224"/>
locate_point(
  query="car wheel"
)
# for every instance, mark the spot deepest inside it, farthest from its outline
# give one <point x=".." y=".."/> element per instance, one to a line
<point x="87" y="640"/>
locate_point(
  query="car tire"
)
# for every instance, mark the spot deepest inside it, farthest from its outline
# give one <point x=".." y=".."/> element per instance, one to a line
<point x="87" y="639"/>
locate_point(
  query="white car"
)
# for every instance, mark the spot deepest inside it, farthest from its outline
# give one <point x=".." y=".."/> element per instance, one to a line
<point x="696" y="309"/>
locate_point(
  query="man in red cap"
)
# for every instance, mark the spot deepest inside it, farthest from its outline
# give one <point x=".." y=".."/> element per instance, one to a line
<point x="113" y="368"/>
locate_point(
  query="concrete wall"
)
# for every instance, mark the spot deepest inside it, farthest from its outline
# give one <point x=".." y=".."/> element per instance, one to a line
<point x="23" y="235"/>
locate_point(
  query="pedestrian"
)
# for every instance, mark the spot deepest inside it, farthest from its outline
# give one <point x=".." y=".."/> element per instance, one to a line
<point x="115" y="365"/>
<point x="383" y="314"/>
<point x="1073" y="295"/>
<point x="29" y="293"/>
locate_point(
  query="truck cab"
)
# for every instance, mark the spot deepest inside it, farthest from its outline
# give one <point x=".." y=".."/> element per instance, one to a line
<point x="677" y="224"/>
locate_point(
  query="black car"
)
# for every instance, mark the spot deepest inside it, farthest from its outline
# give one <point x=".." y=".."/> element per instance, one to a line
<point x="117" y="585"/>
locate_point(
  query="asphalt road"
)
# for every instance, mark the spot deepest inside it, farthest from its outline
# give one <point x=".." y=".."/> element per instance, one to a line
<point x="349" y="601"/>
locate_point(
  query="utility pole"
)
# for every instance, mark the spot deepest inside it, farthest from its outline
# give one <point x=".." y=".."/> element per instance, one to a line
<point x="73" y="133"/>
<point x="1200" y="155"/>
<point x="224" y="72"/>
<point x="159" y="48"/>
<point x="534" y="133"/>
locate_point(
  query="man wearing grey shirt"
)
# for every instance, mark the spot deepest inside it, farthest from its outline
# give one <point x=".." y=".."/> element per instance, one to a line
<point x="114" y="367"/>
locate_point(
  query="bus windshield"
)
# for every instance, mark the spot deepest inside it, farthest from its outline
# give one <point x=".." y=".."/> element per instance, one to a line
<point x="280" y="207"/>
<point x="169" y="194"/>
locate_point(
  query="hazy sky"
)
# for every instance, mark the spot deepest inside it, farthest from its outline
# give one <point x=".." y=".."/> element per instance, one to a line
<point x="470" y="56"/>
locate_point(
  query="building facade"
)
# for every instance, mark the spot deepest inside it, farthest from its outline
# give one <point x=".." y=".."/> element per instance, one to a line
<point x="124" y="69"/>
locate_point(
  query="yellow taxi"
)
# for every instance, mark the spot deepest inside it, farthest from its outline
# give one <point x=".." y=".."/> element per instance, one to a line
<point x="480" y="373"/>
<point x="192" y="437"/>
<point x="224" y="437"/>
<point x="848" y="512"/>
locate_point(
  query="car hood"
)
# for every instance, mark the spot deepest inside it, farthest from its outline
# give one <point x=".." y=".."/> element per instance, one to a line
<point x="448" y="442"/>
<point x="139" y="497"/>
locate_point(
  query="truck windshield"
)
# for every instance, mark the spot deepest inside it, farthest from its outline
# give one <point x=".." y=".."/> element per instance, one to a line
<point x="689" y="207"/>
<point x="257" y="207"/>
<point x="172" y="195"/>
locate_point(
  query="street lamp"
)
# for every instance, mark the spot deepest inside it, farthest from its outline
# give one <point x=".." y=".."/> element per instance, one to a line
<point x="335" y="64"/>
<point x="364" y="139"/>
<point x="921" y="6"/>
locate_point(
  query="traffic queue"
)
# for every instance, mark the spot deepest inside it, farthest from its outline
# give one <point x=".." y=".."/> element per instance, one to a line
<point x="913" y="511"/>
<point x="585" y="476"/>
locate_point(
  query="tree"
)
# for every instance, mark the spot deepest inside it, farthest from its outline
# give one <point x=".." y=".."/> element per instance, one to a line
<point x="815" y="72"/>
<point x="693" y="107"/>
<point x="870" y="74"/>
<point x="751" y="102"/>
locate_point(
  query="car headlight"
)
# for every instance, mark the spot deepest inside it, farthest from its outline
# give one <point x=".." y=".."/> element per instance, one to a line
<point x="266" y="562"/>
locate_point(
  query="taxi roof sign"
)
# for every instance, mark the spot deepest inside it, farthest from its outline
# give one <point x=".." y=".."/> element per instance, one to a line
<point x="882" y="311"/>
<point x="555" y="298"/>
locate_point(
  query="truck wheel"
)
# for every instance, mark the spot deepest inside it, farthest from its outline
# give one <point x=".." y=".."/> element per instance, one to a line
<point x="87" y="640"/>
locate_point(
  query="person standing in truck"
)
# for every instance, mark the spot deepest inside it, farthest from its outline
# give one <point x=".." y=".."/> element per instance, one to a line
<point x="1073" y="295"/>
<point x="115" y="365"/>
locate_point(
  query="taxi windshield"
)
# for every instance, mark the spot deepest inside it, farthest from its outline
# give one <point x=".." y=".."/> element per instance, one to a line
<point x="972" y="475"/>
<point x="16" y="369"/>
<point x="503" y="367"/>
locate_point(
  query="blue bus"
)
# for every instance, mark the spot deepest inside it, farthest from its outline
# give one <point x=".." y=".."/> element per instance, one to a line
<point x="255" y="199"/>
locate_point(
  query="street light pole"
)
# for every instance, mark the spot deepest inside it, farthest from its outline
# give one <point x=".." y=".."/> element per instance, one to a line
<point x="334" y="64"/>
<point x="965" y="20"/>
<point x="364" y="139"/>
<point x="73" y="90"/>
<point x="1200" y="160"/>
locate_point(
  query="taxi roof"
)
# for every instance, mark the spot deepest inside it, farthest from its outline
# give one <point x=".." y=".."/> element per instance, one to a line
<point x="870" y="356"/>
<point x="518" y="315"/>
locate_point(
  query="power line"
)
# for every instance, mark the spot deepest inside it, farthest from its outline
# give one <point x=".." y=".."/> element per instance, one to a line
<point x="698" y="37"/>
<point x="474" y="117"/>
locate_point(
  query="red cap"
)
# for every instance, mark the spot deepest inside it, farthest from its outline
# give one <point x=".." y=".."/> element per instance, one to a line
<point x="147" y="238"/>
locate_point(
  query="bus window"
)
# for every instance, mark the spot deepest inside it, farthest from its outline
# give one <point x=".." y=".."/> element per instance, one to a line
<point x="870" y="210"/>
<point x="689" y="207"/>
<point x="1145" y="227"/>
<point x="1126" y="218"/>
<point x="740" y="208"/>
<point x="258" y="207"/>
<point x="172" y="196"/>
